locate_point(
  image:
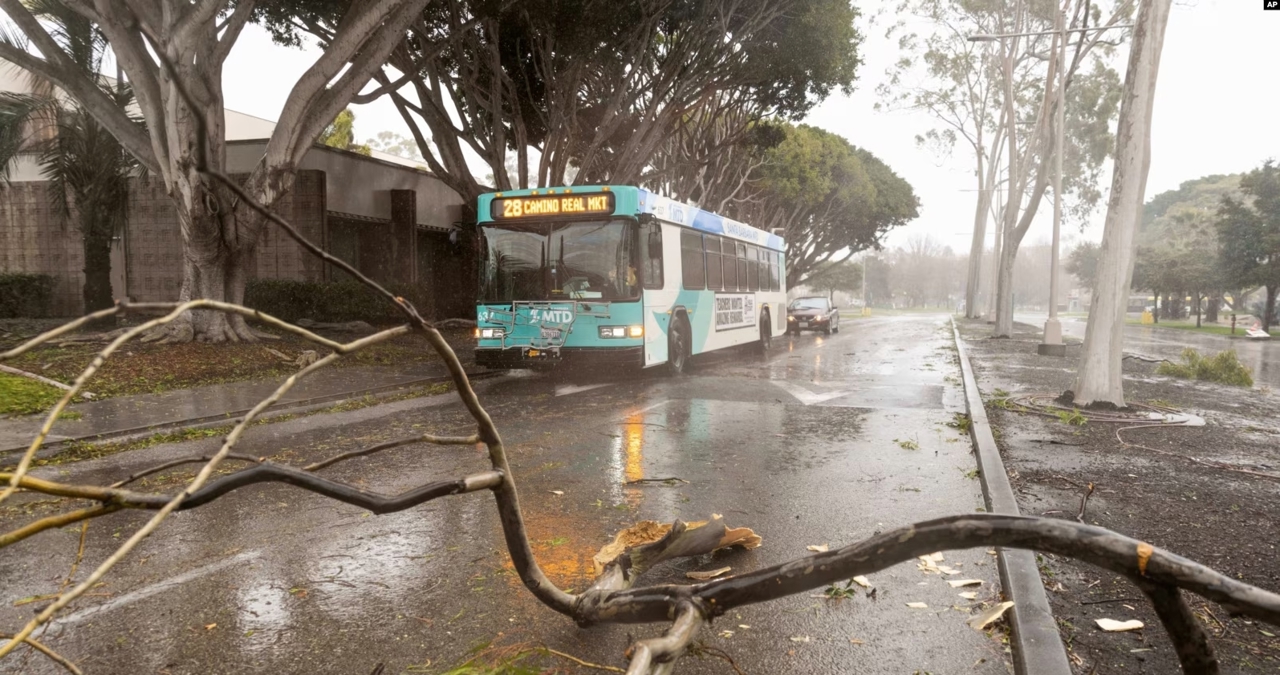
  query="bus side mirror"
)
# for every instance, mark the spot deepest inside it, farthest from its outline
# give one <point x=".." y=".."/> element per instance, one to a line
<point x="655" y="245"/>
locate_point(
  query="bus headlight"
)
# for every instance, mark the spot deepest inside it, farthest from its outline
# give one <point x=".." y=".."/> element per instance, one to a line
<point x="613" y="331"/>
<point x="636" y="331"/>
<point x="491" y="333"/>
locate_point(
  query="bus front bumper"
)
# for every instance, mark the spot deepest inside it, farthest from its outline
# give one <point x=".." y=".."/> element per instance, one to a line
<point x="524" y="357"/>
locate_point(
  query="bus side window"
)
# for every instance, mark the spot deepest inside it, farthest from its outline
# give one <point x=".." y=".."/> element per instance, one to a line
<point x="782" y="272"/>
<point x="714" y="269"/>
<point x="729" y="257"/>
<point x="753" y="268"/>
<point x="651" y="255"/>
<point x="773" y="270"/>
<point x="693" y="272"/>
<point x="763" y="265"/>
<point x="743" y="284"/>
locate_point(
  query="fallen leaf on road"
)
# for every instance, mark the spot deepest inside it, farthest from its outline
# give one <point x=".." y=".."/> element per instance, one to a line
<point x="1266" y="633"/>
<point x="989" y="617"/>
<point x="1113" y="626"/>
<point x="708" y="574"/>
<point x="818" y="548"/>
<point x="210" y="626"/>
<point x="743" y="626"/>
<point x="917" y="605"/>
<point x="958" y="583"/>
<point x="726" y="633"/>
<point x="556" y="492"/>
<point x="862" y="581"/>
<point x="948" y="570"/>
<point x="803" y="638"/>
<point x="933" y="557"/>
<point x="856" y="641"/>
<point x="971" y="595"/>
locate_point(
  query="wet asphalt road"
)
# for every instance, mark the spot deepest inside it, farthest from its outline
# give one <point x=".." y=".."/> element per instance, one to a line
<point x="804" y="445"/>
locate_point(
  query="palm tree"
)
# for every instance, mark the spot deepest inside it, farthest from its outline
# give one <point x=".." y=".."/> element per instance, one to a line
<point x="87" y="168"/>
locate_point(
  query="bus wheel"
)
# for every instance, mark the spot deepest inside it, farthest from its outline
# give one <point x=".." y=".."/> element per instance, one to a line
<point x="766" y="334"/>
<point x="677" y="346"/>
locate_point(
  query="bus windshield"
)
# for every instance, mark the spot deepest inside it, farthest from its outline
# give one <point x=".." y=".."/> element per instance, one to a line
<point x="550" y="260"/>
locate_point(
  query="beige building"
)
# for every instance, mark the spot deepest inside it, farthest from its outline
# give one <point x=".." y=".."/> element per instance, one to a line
<point x="386" y="215"/>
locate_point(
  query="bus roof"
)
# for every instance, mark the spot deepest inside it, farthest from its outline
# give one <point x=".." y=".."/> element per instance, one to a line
<point x="631" y="200"/>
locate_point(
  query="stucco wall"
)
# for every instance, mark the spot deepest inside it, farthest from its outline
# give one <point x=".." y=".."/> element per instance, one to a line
<point x="347" y="173"/>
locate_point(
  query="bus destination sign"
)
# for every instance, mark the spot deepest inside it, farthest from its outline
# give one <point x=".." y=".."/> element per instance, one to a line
<point x="508" y="208"/>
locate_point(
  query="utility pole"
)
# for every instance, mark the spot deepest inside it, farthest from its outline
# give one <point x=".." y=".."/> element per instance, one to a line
<point x="1052" y="344"/>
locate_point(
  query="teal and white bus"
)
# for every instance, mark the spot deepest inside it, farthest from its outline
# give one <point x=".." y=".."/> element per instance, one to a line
<point x="618" y="275"/>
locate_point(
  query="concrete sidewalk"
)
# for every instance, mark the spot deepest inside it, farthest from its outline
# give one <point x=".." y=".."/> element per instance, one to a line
<point x="125" y="415"/>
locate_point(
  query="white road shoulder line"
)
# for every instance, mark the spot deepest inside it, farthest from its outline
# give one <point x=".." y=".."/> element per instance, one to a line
<point x="158" y="587"/>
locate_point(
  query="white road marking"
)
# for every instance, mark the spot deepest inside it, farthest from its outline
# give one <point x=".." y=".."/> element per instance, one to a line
<point x="650" y="407"/>
<point x="805" y="396"/>
<point x="158" y="587"/>
<point x="566" y="389"/>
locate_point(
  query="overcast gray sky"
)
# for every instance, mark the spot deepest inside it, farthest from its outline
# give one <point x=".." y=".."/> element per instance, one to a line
<point x="1217" y="110"/>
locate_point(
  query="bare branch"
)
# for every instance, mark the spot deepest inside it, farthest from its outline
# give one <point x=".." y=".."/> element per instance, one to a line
<point x="421" y="438"/>
<point x="53" y="656"/>
<point x="51" y="522"/>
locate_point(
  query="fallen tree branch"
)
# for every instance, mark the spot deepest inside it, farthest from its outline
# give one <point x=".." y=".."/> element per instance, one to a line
<point x="52" y="655"/>
<point x="1084" y="501"/>
<point x="420" y="438"/>
<point x="40" y="378"/>
<point x="179" y="462"/>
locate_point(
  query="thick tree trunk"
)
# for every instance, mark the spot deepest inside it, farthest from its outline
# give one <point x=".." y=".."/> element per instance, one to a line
<point x="1211" y="310"/>
<point x="1155" y="307"/>
<point x="1099" y="379"/>
<point x="1004" y="292"/>
<point x="97" y="270"/>
<point x="1198" y="303"/>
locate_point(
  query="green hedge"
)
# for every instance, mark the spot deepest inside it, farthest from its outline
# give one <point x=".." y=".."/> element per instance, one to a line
<point x="25" y="295"/>
<point x="343" y="301"/>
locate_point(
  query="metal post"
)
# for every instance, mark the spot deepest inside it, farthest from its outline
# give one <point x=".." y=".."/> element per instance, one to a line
<point x="866" y="311"/>
<point x="1052" y="344"/>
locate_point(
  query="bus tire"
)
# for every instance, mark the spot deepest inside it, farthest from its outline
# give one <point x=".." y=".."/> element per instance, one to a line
<point x="766" y="334"/>
<point x="679" y="342"/>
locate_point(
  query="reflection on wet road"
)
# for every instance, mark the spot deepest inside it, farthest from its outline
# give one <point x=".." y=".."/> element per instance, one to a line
<point x="826" y="440"/>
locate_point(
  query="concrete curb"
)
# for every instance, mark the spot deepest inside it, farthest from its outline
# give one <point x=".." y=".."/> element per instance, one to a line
<point x="1037" y="645"/>
<point x="50" y="447"/>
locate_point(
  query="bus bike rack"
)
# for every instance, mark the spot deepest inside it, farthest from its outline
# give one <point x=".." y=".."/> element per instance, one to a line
<point x="551" y="335"/>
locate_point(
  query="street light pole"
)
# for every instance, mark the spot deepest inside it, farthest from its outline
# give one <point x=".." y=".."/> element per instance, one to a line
<point x="1052" y="344"/>
<point x="865" y="258"/>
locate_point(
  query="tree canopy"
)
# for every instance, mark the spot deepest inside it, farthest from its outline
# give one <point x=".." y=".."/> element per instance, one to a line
<point x="593" y="101"/>
<point x="1249" y="235"/>
<point x="831" y="198"/>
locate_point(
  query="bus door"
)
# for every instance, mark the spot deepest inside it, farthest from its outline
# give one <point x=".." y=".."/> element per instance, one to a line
<point x="660" y="286"/>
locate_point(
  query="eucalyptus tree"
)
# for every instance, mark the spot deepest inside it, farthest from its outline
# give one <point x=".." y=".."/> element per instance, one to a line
<point x="830" y="198"/>
<point x="985" y="97"/>
<point x="171" y="47"/>
<point x="87" y="169"/>
<point x="1099" y="378"/>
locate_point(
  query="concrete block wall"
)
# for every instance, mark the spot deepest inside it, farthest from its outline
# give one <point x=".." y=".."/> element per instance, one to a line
<point x="35" y="239"/>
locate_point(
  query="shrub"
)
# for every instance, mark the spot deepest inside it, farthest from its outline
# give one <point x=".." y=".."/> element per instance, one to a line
<point x="25" y="295"/>
<point x="1223" y="367"/>
<point x="340" y="301"/>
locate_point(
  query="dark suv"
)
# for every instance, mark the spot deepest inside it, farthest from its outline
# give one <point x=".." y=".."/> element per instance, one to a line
<point x="814" y="313"/>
